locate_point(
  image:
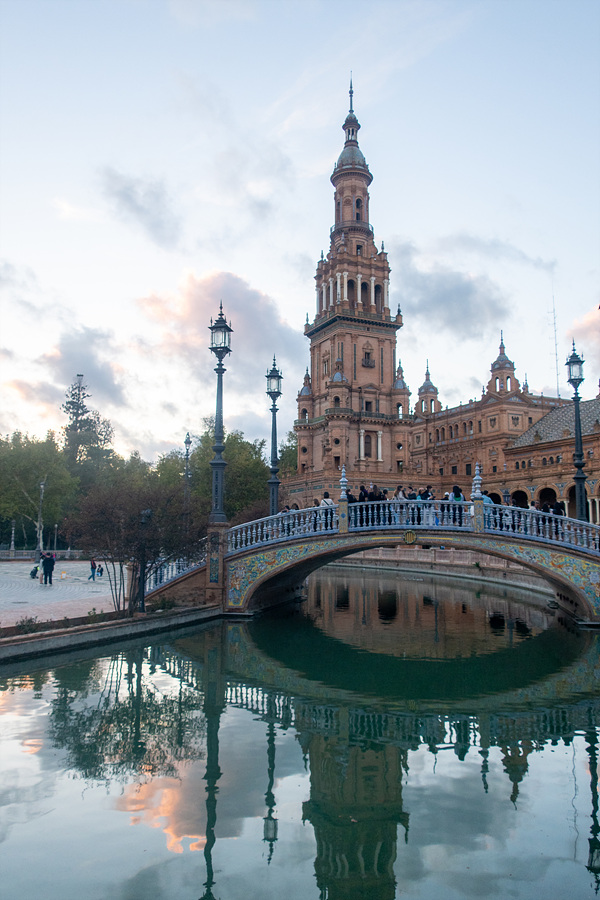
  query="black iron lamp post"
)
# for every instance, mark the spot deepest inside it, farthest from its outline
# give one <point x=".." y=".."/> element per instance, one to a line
<point x="220" y="339"/>
<point x="575" y="366"/>
<point x="38" y="547"/>
<point x="145" y="518"/>
<point x="274" y="379"/>
<point x="186" y="483"/>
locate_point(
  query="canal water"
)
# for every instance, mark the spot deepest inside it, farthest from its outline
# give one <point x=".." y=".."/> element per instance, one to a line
<point x="423" y="739"/>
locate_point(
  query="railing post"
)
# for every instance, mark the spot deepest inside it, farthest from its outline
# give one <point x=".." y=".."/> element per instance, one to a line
<point x="477" y="499"/>
<point x="343" y="504"/>
<point x="215" y="570"/>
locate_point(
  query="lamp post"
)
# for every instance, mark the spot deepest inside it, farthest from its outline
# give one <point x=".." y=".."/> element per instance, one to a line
<point x="186" y="483"/>
<point x="38" y="547"/>
<point x="145" y="517"/>
<point x="274" y="379"/>
<point x="220" y="339"/>
<point x="575" y="366"/>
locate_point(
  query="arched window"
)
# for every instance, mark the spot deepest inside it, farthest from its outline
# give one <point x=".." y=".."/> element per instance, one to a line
<point x="304" y="415"/>
<point x="508" y="383"/>
<point x="399" y="410"/>
<point x="544" y="461"/>
<point x="443" y="434"/>
<point x="424" y="406"/>
<point x="437" y="434"/>
<point x="378" y="305"/>
<point x="470" y="427"/>
<point x="358" y="210"/>
<point x="368" y="451"/>
<point x="351" y="293"/>
<point x="551" y="460"/>
<point x="336" y="402"/>
<point x="432" y="406"/>
<point x="464" y="427"/>
<point x="516" y="465"/>
<point x="497" y="384"/>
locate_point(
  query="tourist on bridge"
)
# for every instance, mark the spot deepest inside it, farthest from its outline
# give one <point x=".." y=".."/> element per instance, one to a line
<point x="457" y="497"/>
<point x="47" y="567"/>
<point x="327" y="502"/>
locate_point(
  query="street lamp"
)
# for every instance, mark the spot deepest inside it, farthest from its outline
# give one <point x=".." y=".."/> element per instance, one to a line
<point x="145" y="517"/>
<point x="38" y="547"/>
<point x="575" y="366"/>
<point x="220" y="339"/>
<point x="186" y="483"/>
<point x="274" y="379"/>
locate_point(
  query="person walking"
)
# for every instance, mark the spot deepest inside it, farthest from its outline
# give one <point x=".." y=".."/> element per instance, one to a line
<point x="48" y="567"/>
<point x="328" y="512"/>
<point x="92" y="575"/>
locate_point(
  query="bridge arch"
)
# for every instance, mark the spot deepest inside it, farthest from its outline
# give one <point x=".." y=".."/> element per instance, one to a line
<point x="279" y="570"/>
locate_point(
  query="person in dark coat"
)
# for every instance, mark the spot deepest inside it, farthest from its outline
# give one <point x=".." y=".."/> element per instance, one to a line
<point x="48" y="567"/>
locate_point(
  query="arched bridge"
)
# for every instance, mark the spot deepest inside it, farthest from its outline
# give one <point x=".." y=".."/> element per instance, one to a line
<point x="279" y="552"/>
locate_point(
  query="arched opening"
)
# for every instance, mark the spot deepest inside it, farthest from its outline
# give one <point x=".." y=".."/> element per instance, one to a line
<point x="424" y="406"/>
<point x="432" y="406"/>
<point x="351" y="292"/>
<point x="464" y="428"/>
<point x="336" y="402"/>
<point x="338" y="212"/>
<point x="547" y="495"/>
<point x="359" y="210"/>
<point x="508" y="383"/>
<point x="497" y="384"/>
<point x="378" y="305"/>
<point x="399" y="410"/>
<point x="437" y="435"/>
<point x="572" y="504"/>
<point x="368" y="446"/>
<point x="443" y="434"/>
<point x="364" y="293"/>
<point x="496" y="497"/>
<point x="544" y="461"/>
<point x="470" y="427"/>
<point x="304" y="415"/>
<point x="520" y="498"/>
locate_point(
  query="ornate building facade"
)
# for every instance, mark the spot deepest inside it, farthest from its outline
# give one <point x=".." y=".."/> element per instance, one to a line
<point x="354" y="406"/>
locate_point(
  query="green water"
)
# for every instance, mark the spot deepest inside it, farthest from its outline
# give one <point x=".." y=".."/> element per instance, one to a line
<point x="416" y="739"/>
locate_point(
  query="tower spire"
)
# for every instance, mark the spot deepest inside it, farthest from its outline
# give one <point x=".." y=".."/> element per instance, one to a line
<point x="351" y="93"/>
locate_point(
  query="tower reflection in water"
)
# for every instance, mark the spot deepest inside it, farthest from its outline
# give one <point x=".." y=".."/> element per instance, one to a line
<point x="425" y="715"/>
<point x="367" y="673"/>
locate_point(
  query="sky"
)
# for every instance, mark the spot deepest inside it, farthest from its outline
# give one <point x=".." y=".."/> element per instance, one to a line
<point x="159" y="157"/>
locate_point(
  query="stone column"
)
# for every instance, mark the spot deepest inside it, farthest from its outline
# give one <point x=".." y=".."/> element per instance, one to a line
<point x="324" y="297"/>
<point x="359" y="289"/>
<point x="386" y="300"/>
<point x="331" y="291"/>
<point x="361" y="443"/>
<point x="345" y="287"/>
<point x="372" y="290"/>
<point x="338" y="287"/>
<point x="379" y="447"/>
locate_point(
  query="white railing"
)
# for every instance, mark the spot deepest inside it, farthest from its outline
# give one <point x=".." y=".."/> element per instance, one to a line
<point x="445" y="515"/>
<point x="169" y="569"/>
<point x="282" y="527"/>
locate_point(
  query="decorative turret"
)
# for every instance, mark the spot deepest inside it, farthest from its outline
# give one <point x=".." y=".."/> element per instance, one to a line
<point x="401" y="394"/>
<point x="503" y="373"/>
<point x="428" y="395"/>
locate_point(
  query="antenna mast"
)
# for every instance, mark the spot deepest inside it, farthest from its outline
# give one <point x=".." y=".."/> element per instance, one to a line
<point x="555" y="341"/>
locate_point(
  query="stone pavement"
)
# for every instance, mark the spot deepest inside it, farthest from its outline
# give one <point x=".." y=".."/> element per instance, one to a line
<point x="70" y="594"/>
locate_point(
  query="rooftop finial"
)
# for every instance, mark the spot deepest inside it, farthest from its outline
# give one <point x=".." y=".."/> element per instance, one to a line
<point x="351" y="93"/>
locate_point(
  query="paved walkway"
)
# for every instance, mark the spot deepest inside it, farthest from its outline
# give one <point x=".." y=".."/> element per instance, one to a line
<point x="70" y="594"/>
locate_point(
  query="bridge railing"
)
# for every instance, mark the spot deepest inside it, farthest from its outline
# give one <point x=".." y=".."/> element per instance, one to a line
<point x="171" y="568"/>
<point x="391" y="514"/>
<point x="533" y="524"/>
<point x="282" y="527"/>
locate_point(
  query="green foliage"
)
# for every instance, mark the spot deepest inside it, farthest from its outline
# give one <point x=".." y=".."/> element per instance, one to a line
<point x="87" y="435"/>
<point x="28" y="624"/>
<point x="24" y="464"/>
<point x="288" y="455"/>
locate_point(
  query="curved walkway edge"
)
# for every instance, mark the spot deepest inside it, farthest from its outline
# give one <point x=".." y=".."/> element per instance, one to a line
<point x="46" y="643"/>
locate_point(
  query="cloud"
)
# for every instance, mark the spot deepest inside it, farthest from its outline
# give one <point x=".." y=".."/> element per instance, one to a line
<point x="81" y="350"/>
<point x="586" y="333"/>
<point x="446" y="298"/>
<point x="211" y="12"/>
<point x="493" y="248"/>
<point x="145" y="203"/>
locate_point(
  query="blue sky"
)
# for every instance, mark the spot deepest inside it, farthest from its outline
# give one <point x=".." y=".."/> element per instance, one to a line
<point x="158" y="157"/>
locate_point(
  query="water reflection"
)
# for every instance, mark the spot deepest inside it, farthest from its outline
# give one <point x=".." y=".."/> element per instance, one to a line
<point x="382" y="740"/>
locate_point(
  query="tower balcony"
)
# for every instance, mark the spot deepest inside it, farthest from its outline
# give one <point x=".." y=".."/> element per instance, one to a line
<point x="351" y="226"/>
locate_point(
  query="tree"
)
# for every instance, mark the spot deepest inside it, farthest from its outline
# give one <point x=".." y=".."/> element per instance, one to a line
<point x="87" y="435"/>
<point x="288" y="455"/>
<point x="25" y="463"/>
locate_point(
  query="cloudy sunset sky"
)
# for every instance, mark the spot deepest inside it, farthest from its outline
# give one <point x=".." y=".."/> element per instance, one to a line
<point x="158" y="157"/>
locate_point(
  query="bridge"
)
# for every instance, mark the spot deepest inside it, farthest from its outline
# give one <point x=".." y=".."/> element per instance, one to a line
<point x="277" y="553"/>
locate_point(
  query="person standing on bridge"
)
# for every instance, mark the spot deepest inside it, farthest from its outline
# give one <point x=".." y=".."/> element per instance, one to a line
<point x="327" y="502"/>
